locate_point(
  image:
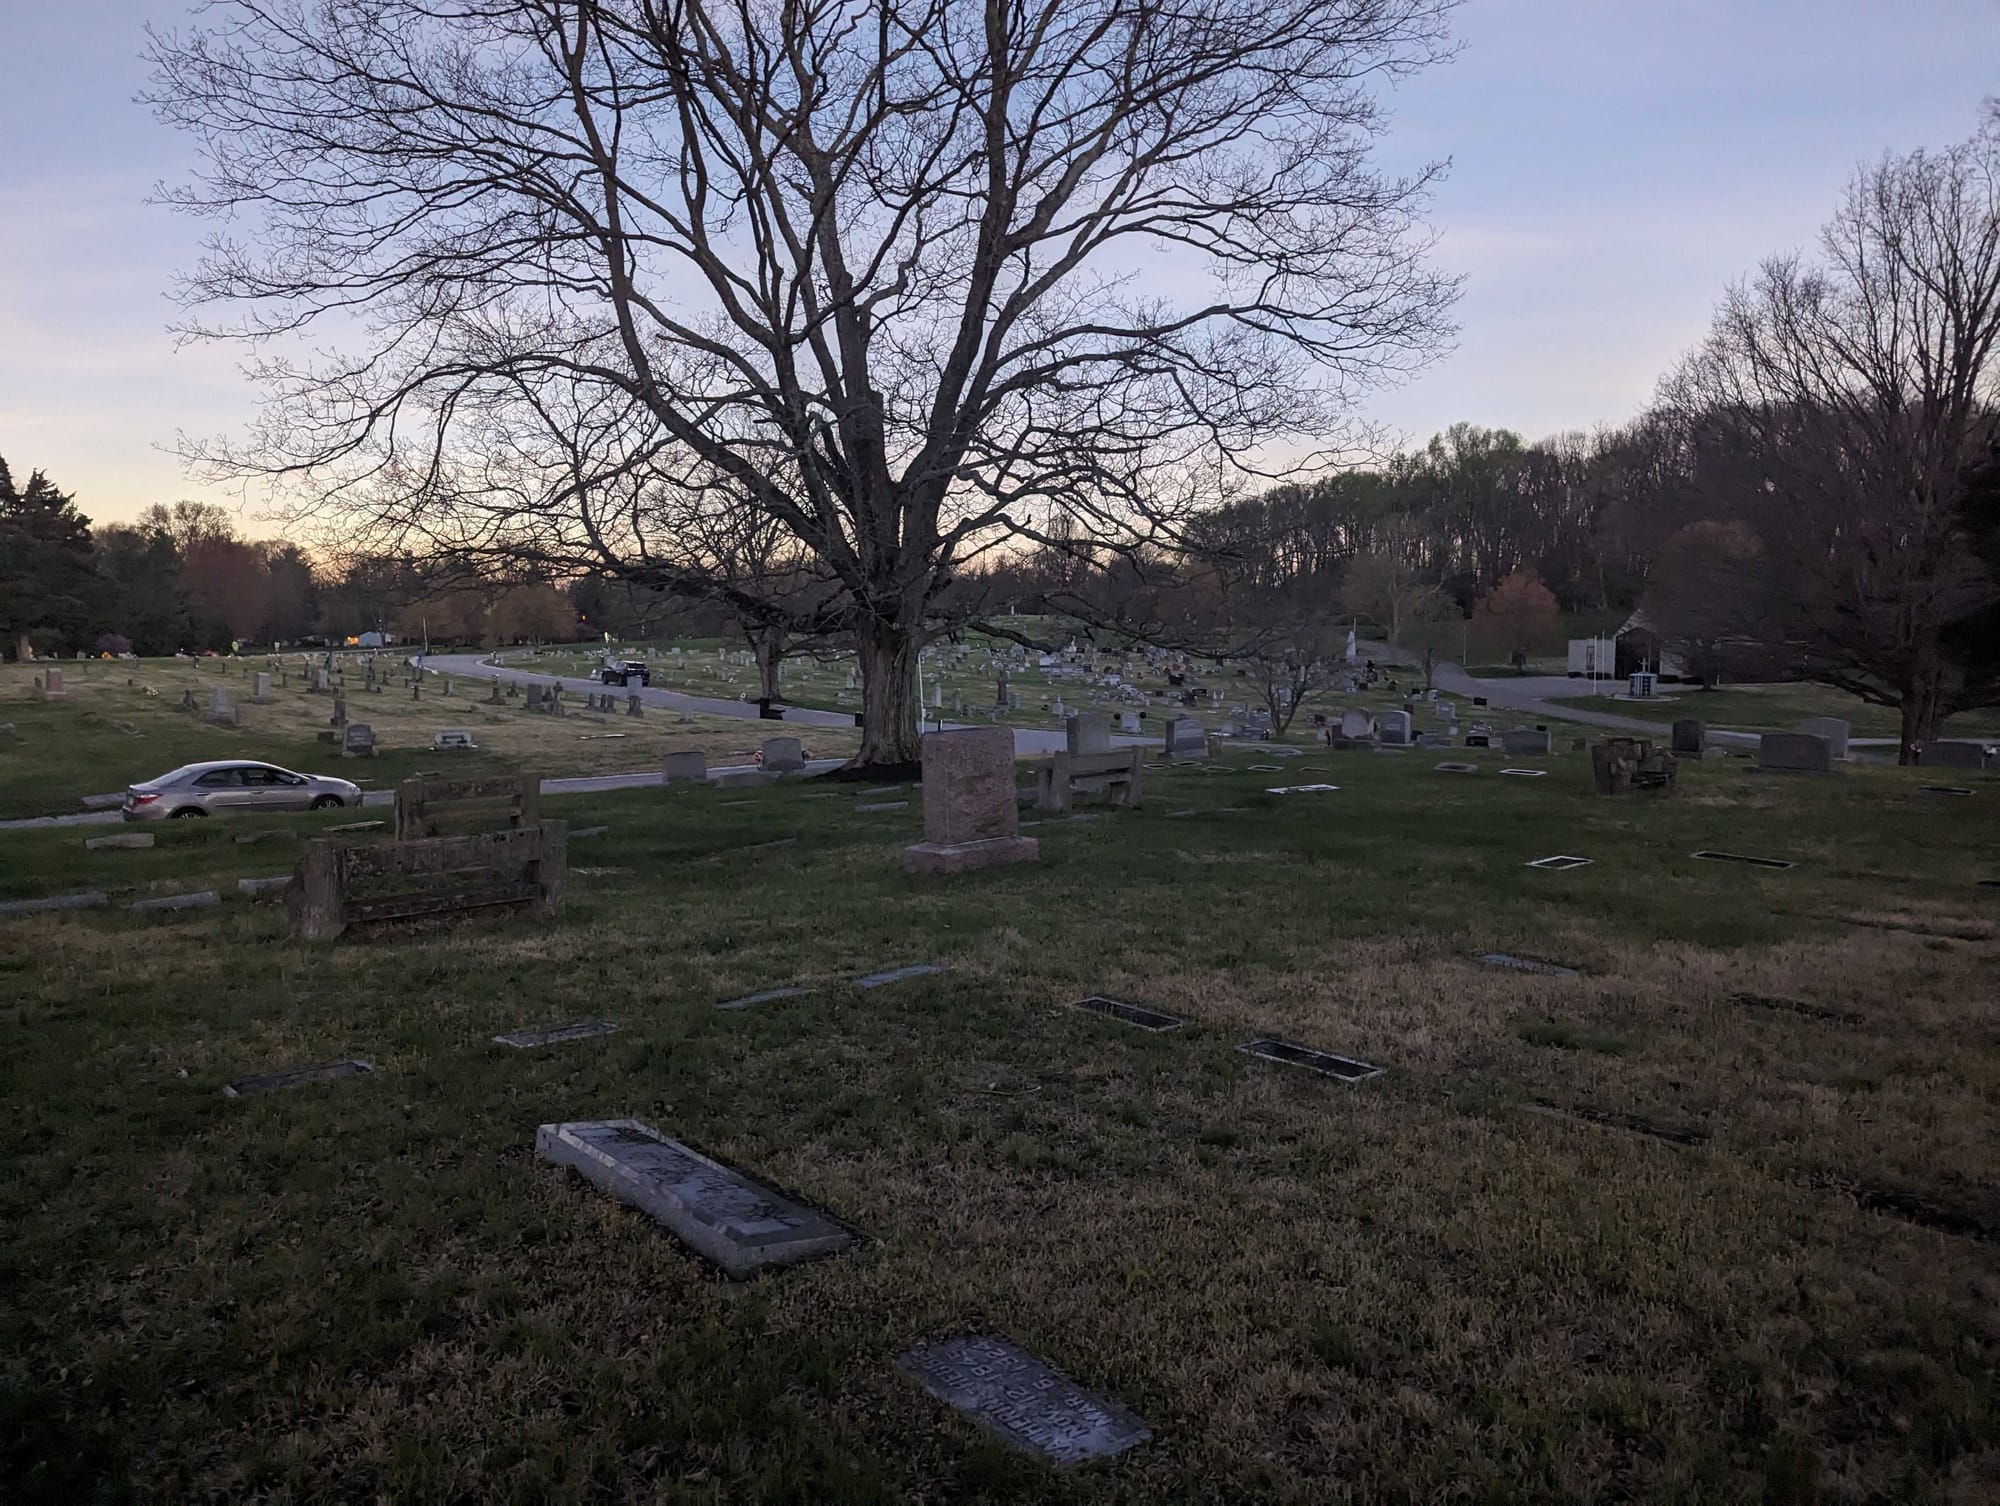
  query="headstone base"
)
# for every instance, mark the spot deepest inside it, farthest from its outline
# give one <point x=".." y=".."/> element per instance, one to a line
<point x="963" y="857"/>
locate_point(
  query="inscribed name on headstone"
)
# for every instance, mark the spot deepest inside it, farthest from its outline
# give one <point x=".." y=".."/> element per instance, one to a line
<point x="1022" y="1400"/>
<point x="715" y="1210"/>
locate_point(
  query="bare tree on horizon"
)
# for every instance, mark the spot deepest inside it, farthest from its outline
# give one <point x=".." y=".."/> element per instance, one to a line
<point x="915" y="282"/>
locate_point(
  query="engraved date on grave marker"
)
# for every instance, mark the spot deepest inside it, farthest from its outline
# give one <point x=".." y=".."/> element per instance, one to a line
<point x="1016" y="1396"/>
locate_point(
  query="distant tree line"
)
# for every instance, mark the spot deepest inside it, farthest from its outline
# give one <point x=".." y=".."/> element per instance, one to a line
<point x="180" y="579"/>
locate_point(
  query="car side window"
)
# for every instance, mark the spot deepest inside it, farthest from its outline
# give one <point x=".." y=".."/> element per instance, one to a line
<point x="260" y="779"/>
<point x="217" y="779"/>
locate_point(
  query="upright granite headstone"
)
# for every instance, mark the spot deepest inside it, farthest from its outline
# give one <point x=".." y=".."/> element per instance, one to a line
<point x="1833" y="730"/>
<point x="970" y="816"/>
<point x="1128" y="723"/>
<point x="357" y="739"/>
<point x="52" y="685"/>
<point x="684" y="768"/>
<point x="632" y="705"/>
<point x="1957" y="753"/>
<point x="1393" y="729"/>
<point x="219" y="709"/>
<point x="1793" y="753"/>
<point x="1089" y="732"/>
<point x="1521" y="742"/>
<point x="1689" y="735"/>
<point x="1357" y="725"/>
<point x="1186" y="738"/>
<point x="783" y="755"/>
<point x="260" y="688"/>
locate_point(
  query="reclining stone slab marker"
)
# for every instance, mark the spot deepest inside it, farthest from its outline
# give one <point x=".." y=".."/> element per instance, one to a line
<point x="716" y="1211"/>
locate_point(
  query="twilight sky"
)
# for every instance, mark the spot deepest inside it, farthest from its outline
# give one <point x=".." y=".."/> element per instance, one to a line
<point x="1614" y="164"/>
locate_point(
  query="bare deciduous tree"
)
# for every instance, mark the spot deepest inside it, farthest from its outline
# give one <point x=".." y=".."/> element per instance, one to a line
<point x="915" y="281"/>
<point x="1854" y="393"/>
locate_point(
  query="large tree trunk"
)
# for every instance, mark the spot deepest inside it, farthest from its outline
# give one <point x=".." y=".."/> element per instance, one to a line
<point x="1920" y="716"/>
<point x="766" y="646"/>
<point x="889" y="710"/>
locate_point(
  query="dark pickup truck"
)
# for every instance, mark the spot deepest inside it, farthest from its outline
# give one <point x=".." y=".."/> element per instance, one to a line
<point x="626" y="672"/>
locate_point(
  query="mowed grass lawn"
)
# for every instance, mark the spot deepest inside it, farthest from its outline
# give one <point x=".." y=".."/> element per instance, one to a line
<point x="1778" y="708"/>
<point x="1415" y="1288"/>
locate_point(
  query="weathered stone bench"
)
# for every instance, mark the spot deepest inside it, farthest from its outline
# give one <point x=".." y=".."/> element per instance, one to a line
<point x="418" y="801"/>
<point x="1058" y="776"/>
<point x="338" y="884"/>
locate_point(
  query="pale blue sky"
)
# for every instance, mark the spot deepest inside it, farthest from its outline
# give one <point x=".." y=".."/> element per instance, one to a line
<point x="1615" y="164"/>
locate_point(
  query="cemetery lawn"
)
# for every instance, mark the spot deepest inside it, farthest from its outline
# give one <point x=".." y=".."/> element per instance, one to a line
<point x="1471" y="1278"/>
<point x="1775" y="708"/>
<point x="107" y="733"/>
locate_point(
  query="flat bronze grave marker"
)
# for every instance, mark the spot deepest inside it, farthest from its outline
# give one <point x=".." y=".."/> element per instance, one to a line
<point x="1527" y="964"/>
<point x="1613" y="1119"/>
<point x="1322" y="1062"/>
<point x="291" y="1077"/>
<point x="896" y="974"/>
<point x="1737" y="857"/>
<point x="718" y="1212"/>
<point x="1022" y="1400"/>
<point x="1131" y="1014"/>
<point x="1301" y="789"/>
<point x="554" y="1035"/>
<point x="1796" y="1006"/>
<point x="765" y="997"/>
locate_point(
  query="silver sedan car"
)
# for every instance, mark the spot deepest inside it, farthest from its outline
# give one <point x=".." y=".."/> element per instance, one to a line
<point x="230" y="786"/>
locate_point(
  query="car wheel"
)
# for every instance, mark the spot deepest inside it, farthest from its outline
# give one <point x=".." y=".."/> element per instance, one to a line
<point x="327" y="802"/>
<point x="188" y="810"/>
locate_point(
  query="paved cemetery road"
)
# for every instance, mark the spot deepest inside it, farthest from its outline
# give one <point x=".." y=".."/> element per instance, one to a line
<point x="1027" y="740"/>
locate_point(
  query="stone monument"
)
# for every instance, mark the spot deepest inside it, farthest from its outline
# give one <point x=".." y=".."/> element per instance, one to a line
<point x="971" y="819"/>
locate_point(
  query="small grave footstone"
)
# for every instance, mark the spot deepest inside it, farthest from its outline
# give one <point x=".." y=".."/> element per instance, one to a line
<point x="897" y="974"/>
<point x="1525" y="773"/>
<point x="588" y="831"/>
<point x="352" y="826"/>
<point x="1944" y="789"/>
<point x="1737" y="857"/>
<point x="291" y="1077"/>
<point x="1322" y="1062"/>
<point x="1131" y="1014"/>
<point x="1455" y="768"/>
<point x="554" y="1035"/>
<point x="258" y="887"/>
<point x="1021" y="1400"/>
<point x="768" y="996"/>
<point x="1527" y="964"/>
<point x="715" y="1210"/>
<point x="1302" y="789"/>
<point x="201" y="899"/>
<point x="127" y="840"/>
<point x="884" y="805"/>
<point x="1561" y="862"/>
<point x="92" y="901"/>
